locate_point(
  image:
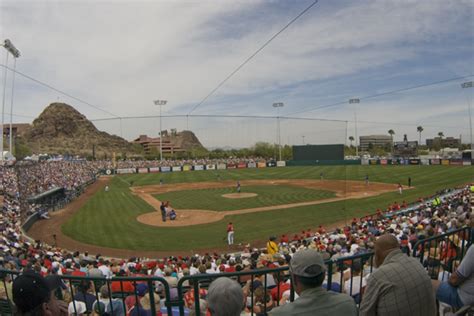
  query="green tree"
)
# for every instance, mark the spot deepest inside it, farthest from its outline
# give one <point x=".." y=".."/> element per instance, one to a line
<point x="21" y="150"/>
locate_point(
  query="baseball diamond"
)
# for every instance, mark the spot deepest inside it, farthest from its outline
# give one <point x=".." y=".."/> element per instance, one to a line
<point x="113" y="222"/>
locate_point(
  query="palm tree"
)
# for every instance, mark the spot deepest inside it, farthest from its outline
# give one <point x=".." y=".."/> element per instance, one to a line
<point x="351" y="139"/>
<point x="441" y="135"/>
<point x="391" y="132"/>
<point x="419" y="129"/>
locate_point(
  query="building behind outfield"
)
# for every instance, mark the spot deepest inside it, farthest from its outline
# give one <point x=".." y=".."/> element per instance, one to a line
<point x="375" y="140"/>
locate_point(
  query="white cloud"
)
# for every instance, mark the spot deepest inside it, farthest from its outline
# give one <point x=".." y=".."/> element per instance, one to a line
<point x="122" y="55"/>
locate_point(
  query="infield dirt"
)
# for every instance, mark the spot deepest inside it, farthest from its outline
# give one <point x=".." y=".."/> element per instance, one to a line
<point x="186" y="217"/>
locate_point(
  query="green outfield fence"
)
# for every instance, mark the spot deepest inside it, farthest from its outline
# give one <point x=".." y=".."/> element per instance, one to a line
<point x="339" y="272"/>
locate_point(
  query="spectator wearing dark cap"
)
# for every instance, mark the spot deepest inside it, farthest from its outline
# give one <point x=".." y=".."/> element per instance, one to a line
<point x="34" y="295"/>
<point x="308" y="271"/>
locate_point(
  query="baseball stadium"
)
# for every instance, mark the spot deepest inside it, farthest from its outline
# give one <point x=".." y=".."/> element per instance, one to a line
<point x="272" y="174"/>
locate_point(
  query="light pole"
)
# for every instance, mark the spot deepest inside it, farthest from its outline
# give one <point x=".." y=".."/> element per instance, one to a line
<point x="355" y="101"/>
<point x="466" y="85"/>
<point x="278" y="105"/>
<point x="160" y="103"/>
<point x="8" y="45"/>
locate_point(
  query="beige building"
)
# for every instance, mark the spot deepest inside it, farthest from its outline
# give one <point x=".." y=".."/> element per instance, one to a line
<point x="375" y="140"/>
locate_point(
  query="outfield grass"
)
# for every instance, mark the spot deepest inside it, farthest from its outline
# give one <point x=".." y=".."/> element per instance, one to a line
<point x="268" y="195"/>
<point x="108" y="218"/>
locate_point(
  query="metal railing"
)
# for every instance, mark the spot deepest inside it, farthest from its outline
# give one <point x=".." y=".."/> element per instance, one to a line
<point x="442" y="253"/>
<point x="345" y="274"/>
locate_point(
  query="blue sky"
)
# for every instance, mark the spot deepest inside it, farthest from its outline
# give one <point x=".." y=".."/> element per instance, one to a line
<point x="122" y="55"/>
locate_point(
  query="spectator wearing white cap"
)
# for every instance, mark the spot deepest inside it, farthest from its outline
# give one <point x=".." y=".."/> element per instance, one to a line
<point x="308" y="271"/>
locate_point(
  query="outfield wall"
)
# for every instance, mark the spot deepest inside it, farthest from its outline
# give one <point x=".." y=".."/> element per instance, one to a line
<point x="290" y="163"/>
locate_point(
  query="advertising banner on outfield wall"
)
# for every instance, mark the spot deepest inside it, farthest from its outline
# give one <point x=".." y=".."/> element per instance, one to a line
<point x="435" y="161"/>
<point x="126" y="170"/>
<point x="142" y="170"/>
<point x="445" y="162"/>
<point x="231" y="166"/>
<point x="271" y="164"/>
<point x="262" y="165"/>
<point x="165" y="169"/>
<point x="221" y="166"/>
<point x="383" y="162"/>
<point x="242" y="165"/>
<point x="252" y="165"/>
<point x="414" y="161"/>
<point x="176" y="169"/>
<point x="198" y="167"/>
<point x="155" y="169"/>
<point x="186" y="168"/>
<point x="455" y="162"/>
<point x="373" y="161"/>
<point x="281" y="163"/>
<point x="466" y="162"/>
<point x="364" y="162"/>
<point x="210" y="167"/>
<point x="425" y="162"/>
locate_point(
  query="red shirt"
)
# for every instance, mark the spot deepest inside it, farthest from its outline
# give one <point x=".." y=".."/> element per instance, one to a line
<point x="230" y="228"/>
<point x="126" y="286"/>
<point x="189" y="297"/>
<point x="78" y="273"/>
<point x="283" y="287"/>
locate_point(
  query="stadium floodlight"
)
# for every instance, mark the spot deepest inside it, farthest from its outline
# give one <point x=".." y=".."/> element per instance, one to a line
<point x="468" y="84"/>
<point x="11" y="48"/>
<point x="160" y="103"/>
<point x="465" y="85"/>
<point x="278" y="105"/>
<point x="8" y="45"/>
<point x="355" y="101"/>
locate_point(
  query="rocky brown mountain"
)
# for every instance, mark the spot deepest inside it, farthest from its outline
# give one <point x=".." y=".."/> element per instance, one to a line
<point x="61" y="129"/>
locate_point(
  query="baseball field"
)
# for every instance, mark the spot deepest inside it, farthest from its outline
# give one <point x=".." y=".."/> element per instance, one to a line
<point x="126" y="219"/>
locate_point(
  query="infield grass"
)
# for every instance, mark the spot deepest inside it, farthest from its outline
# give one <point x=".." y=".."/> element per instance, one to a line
<point x="109" y="218"/>
<point x="267" y="195"/>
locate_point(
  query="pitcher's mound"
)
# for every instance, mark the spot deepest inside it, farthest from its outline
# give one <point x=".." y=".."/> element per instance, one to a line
<point x="239" y="195"/>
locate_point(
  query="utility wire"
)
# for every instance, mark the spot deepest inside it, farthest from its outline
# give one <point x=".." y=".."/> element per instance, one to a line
<point x="57" y="90"/>
<point x="19" y="115"/>
<point x="267" y="117"/>
<point x="251" y="56"/>
<point x="213" y="116"/>
<point x="381" y="94"/>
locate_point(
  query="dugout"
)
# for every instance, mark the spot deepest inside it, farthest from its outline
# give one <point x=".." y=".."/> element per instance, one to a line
<point x="48" y="198"/>
<point x="334" y="152"/>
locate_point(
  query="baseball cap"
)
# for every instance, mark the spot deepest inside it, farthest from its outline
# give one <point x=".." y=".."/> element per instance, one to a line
<point x="305" y="259"/>
<point x="141" y="289"/>
<point x="31" y="290"/>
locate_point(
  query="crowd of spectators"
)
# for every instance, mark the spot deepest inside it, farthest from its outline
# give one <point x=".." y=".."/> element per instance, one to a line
<point x="446" y="213"/>
<point x="408" y="224"/>
<point x="121" y="164"/>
